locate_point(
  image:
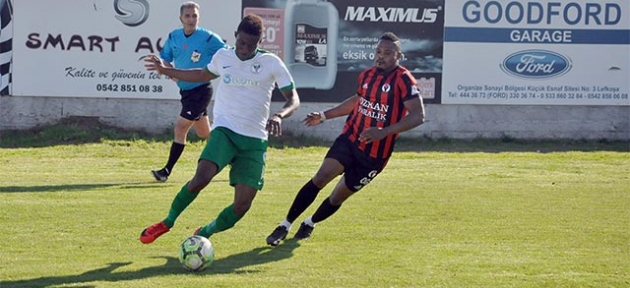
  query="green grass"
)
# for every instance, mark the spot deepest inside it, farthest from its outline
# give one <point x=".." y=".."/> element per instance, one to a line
<point x="445" y="213"/>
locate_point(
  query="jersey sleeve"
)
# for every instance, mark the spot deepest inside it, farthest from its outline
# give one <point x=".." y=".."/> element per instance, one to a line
<point x="361" y="88"/>
<point x="408" y="86"/>
<point x="167" y="49"/>
<point x="213" y="66"/>
<point x="215" y="44"/>
<point x="281" y="75"/>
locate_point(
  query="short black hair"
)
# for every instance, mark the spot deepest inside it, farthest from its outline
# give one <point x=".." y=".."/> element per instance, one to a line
<point x="251" y="24"/>
<point x="390" y="36"/>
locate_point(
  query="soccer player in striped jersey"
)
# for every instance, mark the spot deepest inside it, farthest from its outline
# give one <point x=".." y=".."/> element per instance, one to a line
<point x="387" y="103"/>
<point x="189" y="47"/>
<point x="241" y="125"/>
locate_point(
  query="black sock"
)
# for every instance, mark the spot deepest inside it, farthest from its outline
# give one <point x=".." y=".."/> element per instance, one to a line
<point x="303" y="199"/>
<point x="324" y="211"/>
<point x="173" y="156"/>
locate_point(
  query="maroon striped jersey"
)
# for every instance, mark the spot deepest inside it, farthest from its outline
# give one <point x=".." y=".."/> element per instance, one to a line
<point x="380" y="105"/>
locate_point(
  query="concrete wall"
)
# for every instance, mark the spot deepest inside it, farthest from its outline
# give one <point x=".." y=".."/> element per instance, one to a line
<point x="452" y="121"/>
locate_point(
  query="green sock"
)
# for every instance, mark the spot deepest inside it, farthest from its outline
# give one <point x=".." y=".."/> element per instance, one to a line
<point x="181" y="201"/>
<point x="226" y="220"/>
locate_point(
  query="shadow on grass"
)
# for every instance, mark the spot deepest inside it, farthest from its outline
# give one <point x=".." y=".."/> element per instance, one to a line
<point x="84" y="187"/>
<point x="76" y="187"/>
<point x="238" y="264"/>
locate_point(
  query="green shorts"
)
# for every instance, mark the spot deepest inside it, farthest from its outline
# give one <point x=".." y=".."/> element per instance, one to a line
<point x="246" y="155"/>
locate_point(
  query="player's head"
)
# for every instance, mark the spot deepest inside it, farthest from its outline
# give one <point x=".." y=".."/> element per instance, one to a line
<point x="388" y="52"/>
<point x="189" y="16"/>
<point x="248" y="36"/>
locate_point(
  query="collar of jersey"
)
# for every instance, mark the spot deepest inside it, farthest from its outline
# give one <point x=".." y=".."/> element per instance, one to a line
<point x="253" y="54"/>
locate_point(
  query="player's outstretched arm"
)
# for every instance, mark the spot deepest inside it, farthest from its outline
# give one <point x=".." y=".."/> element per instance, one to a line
<point x="154" y="63"/>
<point x="344" y="108"/>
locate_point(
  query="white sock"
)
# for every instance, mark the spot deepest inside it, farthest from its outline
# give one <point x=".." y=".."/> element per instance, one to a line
<point x="309" y="222"/>
<point x="286" y="224"/>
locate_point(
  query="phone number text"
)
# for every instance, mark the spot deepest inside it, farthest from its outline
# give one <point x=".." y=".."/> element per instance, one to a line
<point x="539" y="95"/>
<point x="128" y="88"/>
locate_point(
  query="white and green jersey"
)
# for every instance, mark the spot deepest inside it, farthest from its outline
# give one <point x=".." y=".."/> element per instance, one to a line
<point x="243" y="96"/>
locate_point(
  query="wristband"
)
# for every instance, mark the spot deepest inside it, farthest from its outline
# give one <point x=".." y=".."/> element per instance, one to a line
<point x="322" y="116"/>
<point x="279" y="116"/>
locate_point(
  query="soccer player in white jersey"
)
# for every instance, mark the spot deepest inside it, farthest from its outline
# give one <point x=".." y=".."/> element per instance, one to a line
<point x="241" y="124"/>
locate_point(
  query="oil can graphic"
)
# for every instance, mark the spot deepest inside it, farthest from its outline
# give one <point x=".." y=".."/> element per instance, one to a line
<point x="310" y="42"/>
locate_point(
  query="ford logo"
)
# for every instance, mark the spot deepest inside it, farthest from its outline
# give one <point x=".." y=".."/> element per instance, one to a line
<point x="536" y="64"/>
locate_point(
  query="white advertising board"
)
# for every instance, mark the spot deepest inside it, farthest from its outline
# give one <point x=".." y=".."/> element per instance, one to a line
<point x="78" y="48"/>
<point x="544" y="52"/>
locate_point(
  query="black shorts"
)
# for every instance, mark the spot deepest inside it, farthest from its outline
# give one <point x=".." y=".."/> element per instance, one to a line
<point x="195" y="102"/>
<point x="359" y="167"/>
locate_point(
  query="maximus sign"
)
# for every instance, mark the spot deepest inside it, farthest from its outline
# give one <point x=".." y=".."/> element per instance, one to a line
<point x="391" y="14"/>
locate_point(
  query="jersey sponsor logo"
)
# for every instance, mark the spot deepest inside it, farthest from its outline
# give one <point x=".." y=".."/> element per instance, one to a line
<point x="237" y="81"/>
<point x="373" y="110"/>
<point x="132" y="12"/>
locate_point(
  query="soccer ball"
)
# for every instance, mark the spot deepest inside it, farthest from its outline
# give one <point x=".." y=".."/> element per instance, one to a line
<point x="196" y="253"/>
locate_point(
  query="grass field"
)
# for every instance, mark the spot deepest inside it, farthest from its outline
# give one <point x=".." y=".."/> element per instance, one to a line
<point x="443" y="214"/>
